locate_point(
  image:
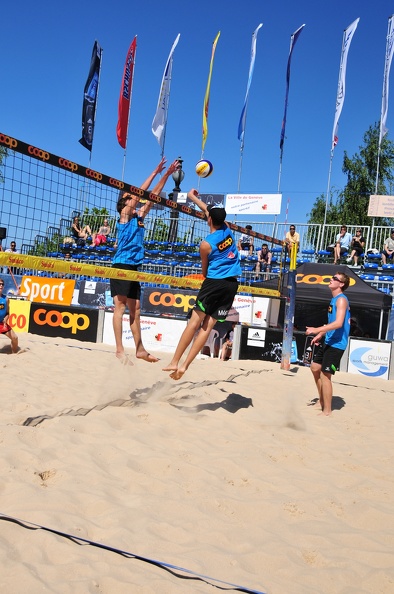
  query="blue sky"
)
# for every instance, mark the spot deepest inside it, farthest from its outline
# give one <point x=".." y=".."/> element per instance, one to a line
<point x="47" y="46"/>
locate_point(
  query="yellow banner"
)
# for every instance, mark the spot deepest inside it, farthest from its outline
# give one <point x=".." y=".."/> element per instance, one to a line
<point x="19" y="315"/>
<point x="77" y="268"/>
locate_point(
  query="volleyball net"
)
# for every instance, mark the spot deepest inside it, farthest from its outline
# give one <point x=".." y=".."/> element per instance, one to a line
<point x="41" y="193"/>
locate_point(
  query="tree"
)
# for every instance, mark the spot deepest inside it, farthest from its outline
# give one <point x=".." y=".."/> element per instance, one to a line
<point x="351" y="205"/>
<point x="3" y="155"/>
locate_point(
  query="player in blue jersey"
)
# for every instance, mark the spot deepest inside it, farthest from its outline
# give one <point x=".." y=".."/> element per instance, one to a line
<point x="129" y="255"/>
<point x="220" y="267"/>
<point x="5" y="328"/>
<point x="328" y="355"/>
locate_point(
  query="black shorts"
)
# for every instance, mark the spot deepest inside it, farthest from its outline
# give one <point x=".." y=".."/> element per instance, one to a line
<point x="216" y="296"/>
<point x="126" y="288"/>
<point x="328" y="357"/>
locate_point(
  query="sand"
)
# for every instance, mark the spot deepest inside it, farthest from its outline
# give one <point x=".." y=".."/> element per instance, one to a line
<point x="227" y="473"/>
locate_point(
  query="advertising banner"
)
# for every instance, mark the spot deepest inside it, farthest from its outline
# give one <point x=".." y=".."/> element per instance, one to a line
<point x="253" y="204"/>
<point x="47" y="290"/>
<point x="65" y="322"/>
<point x="167" y="302"/>
<point x="158" y="334"/>
<point x="19" y="315"/>
<point x="369" y="358"/>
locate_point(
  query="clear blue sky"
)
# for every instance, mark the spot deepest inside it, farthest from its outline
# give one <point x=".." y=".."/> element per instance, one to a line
<point x="46" y="51"/>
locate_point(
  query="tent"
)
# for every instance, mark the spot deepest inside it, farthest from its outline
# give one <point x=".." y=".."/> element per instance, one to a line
<point x="312" y="292"/>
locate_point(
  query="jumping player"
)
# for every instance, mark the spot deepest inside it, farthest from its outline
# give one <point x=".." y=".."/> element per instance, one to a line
<point x="220" y="267"/>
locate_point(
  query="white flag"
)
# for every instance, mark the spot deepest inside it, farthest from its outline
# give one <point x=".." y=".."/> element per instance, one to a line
<point x="242" y="121"/>
<point x="160" y="120"/>
<point x="347" y="38"/>
<point x="387" y="66"/>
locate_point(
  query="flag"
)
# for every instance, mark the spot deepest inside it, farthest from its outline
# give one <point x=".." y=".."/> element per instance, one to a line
<point x="125" y="95"/>
<point x="206" y="98"/>
<point x="90" y="98"/>
<point x="159" y="123"/>
<point x="293" y="41"/>
<point x="242" y="121"/>
<point x="387" y="66"/>
<point x="347" y="38"/>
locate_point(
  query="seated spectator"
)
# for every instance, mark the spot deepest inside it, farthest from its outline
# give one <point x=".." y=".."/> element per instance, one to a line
<point x="342" y="244"/>
<point x="357" y="247"/>
<point x="291" y="238"/>
<point x="246" y="242"/>
<point x="388" y="248"/>
<point x="80" y="234"/>
<point x="264" y="258"/>
<point x="228" y="344"/>
<point x="12" y="249"/>
<point x="101" y="236"/>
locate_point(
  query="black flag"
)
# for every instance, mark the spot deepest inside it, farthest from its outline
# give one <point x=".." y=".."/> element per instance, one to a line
<point x="90" y="98"/>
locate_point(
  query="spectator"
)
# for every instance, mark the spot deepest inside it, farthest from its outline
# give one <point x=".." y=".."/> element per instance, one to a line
<point x="102" y="234"/>
<point x="264" y="258"/>
<point x="79" y="233"/>
<point x="342" y="244"/>
<point x="291" y="238"/>
<point x="246" y="242"/>
<point x="12" y="249"/>
<point x="388" y="248"/>
<point x="4" y="326"/>
<point x="357" y="246"/>
<point x="228" y="344"/>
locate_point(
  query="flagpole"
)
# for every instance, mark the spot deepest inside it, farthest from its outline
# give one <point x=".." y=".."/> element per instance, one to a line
<point x="346" y="41"/>
<point x="385" y="92"/>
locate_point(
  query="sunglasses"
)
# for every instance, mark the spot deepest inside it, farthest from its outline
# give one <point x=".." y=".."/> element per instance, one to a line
<point x="336" y="279"/>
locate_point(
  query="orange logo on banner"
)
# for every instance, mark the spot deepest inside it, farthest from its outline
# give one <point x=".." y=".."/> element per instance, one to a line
<point x="55" y="291"/>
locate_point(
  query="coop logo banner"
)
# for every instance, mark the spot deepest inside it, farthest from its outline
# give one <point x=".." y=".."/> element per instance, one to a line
<point x="47" y="290"/>
<point x="369" y="358"/>
<point x="64" y="322"/>
<point x="167" y="301"/>
<point x="19" y="315"/>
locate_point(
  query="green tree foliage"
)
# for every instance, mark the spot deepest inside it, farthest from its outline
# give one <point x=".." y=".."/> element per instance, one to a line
<point x="3" y="155"/>
<point x="351" y="205"/>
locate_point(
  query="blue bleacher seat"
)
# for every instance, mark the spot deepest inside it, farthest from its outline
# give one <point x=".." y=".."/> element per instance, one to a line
<point x="387" y="266"/>
<point x="371" y="266"/>
<point x="366" y="277"/>
<point x="386" y="278"/>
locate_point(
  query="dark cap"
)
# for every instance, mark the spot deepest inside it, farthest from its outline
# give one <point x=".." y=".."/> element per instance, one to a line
<point x="248" y="227"/>
<point x="217" y="214"/>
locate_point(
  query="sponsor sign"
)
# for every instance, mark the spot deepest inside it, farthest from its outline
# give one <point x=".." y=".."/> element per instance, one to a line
<point x="170" y="302"/>
<point x="368" y="358"/>
<point x="47" y="290"/>
<point x="256" y="337"/>
<point x="19" y="315"/>
<point x="158" y="334"/>
<point x="64" y="321"/>
<point x="253" y="204"/>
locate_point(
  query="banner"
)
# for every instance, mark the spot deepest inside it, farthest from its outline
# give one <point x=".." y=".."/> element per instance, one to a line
<point x="90" y="98"/>
<point x="253" y="204"/>
<point x="293" y="41"/>
<point x="242" y="121"/>
<point x="159" y="123"/>
<point x="347" y="39"/>
<point x="206" y="98"/>
<point x="125" y="95"/>
<point x="47" y="290"/>
<point x="387" y="66"/>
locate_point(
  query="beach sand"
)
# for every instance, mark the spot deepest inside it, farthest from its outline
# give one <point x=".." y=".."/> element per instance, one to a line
<point x="227" y="473"/>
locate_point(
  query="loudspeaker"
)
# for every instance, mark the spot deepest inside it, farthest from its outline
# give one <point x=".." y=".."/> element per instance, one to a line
<point x="3" y="233"/>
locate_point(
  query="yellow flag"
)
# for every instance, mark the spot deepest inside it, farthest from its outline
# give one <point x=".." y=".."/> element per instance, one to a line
<point x="206" y="98"/>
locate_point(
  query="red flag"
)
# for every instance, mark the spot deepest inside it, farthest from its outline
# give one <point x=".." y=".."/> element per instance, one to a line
<point x="125" y="95"/>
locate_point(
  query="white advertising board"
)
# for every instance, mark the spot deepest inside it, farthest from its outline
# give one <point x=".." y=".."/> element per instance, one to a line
<point x="253" y="204"/>
<point x="368" y="358"/>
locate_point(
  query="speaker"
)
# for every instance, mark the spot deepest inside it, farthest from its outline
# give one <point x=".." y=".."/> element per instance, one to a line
<point x="3" y="233"/>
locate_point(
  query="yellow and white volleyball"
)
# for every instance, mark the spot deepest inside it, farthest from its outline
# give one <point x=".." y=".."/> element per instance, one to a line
<point x="204" y="168"/>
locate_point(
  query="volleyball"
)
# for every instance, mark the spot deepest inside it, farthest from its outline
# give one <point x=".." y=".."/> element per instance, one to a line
<point x="204" y="168"/>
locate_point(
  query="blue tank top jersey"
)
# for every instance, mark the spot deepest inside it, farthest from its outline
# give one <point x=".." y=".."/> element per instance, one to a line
<point x="223" y="261"/>
<point x="3" y="308"/>
<point x="338" y="338"/>
<point x="130" y="242"/>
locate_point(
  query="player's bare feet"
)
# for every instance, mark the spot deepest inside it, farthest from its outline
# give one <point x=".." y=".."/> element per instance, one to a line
<point x="145" y="356"/>
<point x="177" y="374"/>
<point x="170" y="367"/>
